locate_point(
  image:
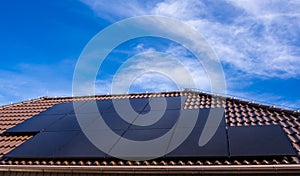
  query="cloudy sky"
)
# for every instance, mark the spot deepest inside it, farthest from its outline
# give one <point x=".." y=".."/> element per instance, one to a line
<point x="257" y="43"/>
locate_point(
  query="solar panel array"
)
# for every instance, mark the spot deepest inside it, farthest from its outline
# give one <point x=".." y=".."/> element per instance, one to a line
<point x="59" y="135"/>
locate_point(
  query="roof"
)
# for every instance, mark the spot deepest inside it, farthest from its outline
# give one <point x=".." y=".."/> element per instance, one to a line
<point x="237" y="113"/>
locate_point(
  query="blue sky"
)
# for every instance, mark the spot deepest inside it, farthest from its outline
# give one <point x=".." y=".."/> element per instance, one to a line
<point x="257" y="42"/>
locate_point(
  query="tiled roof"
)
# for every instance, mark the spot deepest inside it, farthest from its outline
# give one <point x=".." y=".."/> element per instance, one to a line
<point x="237" y="113"/>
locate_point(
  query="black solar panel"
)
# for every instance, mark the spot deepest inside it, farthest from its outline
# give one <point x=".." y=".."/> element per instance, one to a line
<point x="79" y="147"/>
<point x="113" y="120"/>
<point x="156" y="104"/>
<point x="43" y="145"/>
<point x="104" y="105"/>
<point x="217" y="145"/>
<point x="67" y="123"/>
<point x="138" y="104"/>
<point x="160" y="119"/>
<point x="144" y="134"/>
<point x="259" y="141"/>
<point x="174" y="102"/>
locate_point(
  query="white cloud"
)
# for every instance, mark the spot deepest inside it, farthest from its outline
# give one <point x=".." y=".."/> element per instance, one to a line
<point x="184" y="10"/>
<point x="259" y="41"/>
<point x="266" y="35"/>
<point x="118" y="9"/>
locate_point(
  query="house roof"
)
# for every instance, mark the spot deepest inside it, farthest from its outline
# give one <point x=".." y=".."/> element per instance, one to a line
<point x="237" y="113"/>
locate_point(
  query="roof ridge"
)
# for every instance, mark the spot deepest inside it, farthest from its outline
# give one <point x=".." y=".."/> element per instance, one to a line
<point x="111" y="95"/>
<point x="22" y="102"/>
<point x="252" y="103"/>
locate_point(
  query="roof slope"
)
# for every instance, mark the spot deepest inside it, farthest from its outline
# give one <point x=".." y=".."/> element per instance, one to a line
<point x="237" y="113"/>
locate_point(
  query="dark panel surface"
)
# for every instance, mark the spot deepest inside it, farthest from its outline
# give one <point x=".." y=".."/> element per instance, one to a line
<point x="66" y="123"/>
<point x="144" y="135"/>
<point x="139" y="104"/>
<point x="43" y="145"/>
<point x="174" y="102"/>
<point x="114" y="121"/>
<point x="216" y="147"/>
<point x="216" y="117"/>
<point x="122" y="105"/>
<point x="165" y="119"/>
<point x="259" y="141"/>
<point x="104" y="105"/>
<point x="79" y="147"/>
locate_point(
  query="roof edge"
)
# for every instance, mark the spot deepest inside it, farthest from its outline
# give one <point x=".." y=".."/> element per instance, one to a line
<point x="22" y="102"/>
<point x="223" y="169"/>
<point x="115" y="95"/>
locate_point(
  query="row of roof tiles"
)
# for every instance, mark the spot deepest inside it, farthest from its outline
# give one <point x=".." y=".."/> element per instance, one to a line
<point x="8" y="143"/>
<point x="180" y="162"/>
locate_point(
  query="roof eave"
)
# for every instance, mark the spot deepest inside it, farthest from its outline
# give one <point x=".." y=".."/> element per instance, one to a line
<point x="223" y="169"/>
